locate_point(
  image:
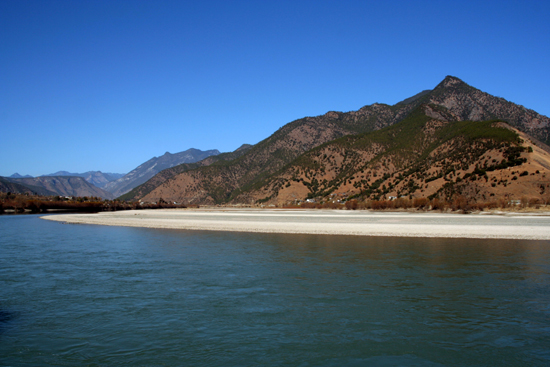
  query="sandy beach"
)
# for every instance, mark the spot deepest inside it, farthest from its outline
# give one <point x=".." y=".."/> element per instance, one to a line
<point x="337" y="222"/>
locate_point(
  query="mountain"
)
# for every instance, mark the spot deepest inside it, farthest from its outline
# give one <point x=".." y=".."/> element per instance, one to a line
<point x="62" y="186"/>
<point x="17" y="175"/>
<point x="221" y="181"/>
<point x="153" y="166"/>
<point x="96" y="178"/>
<point x="6" y="185"/>
<point x="169" y="173"/>
<point x="467" y="103"/>
<point x="419" y="157"/>
<point x="234" y="181"/>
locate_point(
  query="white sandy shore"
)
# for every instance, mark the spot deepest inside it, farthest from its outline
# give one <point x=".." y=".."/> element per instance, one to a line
<point x="338" y="222"/>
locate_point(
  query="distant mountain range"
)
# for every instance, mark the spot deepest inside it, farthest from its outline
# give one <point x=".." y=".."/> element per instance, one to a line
<point x="113" y="184"/>
<point x="147" y="170"/>
<point x="17" y="175"/>
<point x="169" y="173"/>
<point x="451" y="142"/>
<point x="54" y="185"/>
<point x="7" y="184"/>
<point x="438" y="143"/>
<point x="96" y="178"/>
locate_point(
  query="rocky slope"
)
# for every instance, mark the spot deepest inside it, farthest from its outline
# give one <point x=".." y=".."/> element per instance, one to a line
<point x="6" y="185"/>
<point x="420" y="157"/>
<point x="234" y="181"/>
<point x="467" y="103"/>
<point x="145" y="171"/>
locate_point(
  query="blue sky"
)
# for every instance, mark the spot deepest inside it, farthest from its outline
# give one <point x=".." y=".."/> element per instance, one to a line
<point x="107" y="85"/>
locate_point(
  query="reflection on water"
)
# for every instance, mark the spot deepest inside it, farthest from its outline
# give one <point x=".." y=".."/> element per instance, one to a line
<point x="109" y="296"/>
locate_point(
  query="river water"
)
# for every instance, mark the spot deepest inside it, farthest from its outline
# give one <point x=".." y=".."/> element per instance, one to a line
<point x="83" y="295"/>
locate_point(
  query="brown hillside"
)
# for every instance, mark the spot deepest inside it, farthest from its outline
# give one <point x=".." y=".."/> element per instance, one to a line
<point x="238" y="180"/>
<point x="435" y="159"/>
<point x="223" y="181"/>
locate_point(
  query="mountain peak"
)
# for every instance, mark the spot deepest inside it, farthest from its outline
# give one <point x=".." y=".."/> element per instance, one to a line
<point x="450" y="81"/>
<point x="242" y="147"/>
<point x="17" y="175"/>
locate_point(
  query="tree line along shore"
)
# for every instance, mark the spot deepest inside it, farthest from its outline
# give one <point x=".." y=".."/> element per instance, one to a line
<point x="457" y="204"/>
<point x="11" y="203"/>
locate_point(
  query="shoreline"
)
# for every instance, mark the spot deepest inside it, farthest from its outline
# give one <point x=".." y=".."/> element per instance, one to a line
<point x="501" y="225"/>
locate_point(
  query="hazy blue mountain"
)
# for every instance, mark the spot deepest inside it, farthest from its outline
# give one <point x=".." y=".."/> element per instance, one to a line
<point x="7" y="185"/>
<point x="145" y="171"/>
<point x="96" y="178"/>
<point x="17" y="175"/>
<point x="61" y="185"/>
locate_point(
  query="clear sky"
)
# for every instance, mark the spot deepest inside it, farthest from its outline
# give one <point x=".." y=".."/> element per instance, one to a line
<point x="107" y="85"/>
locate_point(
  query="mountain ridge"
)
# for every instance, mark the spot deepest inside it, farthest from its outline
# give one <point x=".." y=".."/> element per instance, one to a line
<point x="61" y="185"/>
<point x="96" y="178"/>
<point x="171" y="172"/>
<point x="17" y="175"/>
<point x="452" y="100"/>
<point x="7" y="185"/>
<point x="150" y="168"/>
<point x="419" y="157"/>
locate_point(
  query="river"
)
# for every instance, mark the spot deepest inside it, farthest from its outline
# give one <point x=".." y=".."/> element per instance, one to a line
<point x="87" y="295"/>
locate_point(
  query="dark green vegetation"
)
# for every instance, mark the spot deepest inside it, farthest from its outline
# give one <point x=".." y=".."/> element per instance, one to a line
<point x="238" y="179"/>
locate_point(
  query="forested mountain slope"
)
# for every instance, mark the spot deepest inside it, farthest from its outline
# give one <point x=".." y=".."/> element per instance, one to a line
<point x="418" y="157"/>
<point x="231" y="181"/>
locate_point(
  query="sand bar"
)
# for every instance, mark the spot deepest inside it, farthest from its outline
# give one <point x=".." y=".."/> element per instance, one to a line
<point x="336" y="222"/>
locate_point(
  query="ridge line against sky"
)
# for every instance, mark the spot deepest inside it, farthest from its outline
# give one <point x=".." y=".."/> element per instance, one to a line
<point x="107" y="85"/>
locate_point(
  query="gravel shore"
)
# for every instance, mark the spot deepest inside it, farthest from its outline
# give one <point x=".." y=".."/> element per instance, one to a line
<point x="336" y="222"/>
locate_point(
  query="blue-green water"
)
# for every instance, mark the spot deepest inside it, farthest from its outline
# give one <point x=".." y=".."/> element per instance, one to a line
<point x="78" y="295"/>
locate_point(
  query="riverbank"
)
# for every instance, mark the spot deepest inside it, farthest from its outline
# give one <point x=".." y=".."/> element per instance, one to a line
<point x="328" y="222"/>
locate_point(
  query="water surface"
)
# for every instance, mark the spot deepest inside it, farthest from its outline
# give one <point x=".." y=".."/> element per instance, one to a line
<point x="101" y="296"/>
